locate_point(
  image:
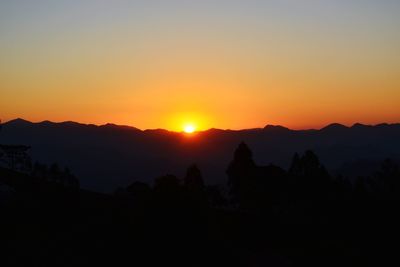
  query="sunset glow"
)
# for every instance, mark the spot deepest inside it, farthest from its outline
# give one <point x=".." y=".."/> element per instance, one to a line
<point x="189" y="128"/>
<point x="203" y="132"/>
<point x="223" y="64"/>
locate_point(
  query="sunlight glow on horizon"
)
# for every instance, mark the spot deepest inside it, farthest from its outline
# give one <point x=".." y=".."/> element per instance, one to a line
<point x="223" y="64"/>
<point x="189" y="128"/>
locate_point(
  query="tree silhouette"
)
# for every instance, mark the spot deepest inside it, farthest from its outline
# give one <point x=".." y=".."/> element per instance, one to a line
<point x="241" y="173"/>
<point x="310" y="188"/>
<point x="252" y="186"/>
<point x="193" y="179"/>
<point x="388" y="179"/>
<point x="194" y="188"/>
<point x="295" y="166"/>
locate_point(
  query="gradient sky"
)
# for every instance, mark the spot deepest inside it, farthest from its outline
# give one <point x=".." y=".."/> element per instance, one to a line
<point x="225" y="64"/>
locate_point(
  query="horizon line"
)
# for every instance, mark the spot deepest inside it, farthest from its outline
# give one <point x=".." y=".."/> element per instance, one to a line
<point x="333" y="124"/>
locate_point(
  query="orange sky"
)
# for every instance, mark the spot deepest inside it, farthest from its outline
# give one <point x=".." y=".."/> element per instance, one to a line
<point x="217" y="64"/>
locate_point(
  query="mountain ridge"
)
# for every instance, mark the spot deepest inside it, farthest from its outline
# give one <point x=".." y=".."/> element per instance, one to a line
<point x="107" y="156"/>
<point x="268" y="127"/>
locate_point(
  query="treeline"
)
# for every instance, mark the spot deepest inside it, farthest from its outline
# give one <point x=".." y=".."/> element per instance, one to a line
<point x="306" y="192"/>
<point x="263" y="216"/>
<point x="54" y="174"/>
<point x="170" y="191"/>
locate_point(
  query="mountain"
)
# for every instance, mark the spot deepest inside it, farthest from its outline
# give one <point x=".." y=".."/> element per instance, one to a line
<point x="334" y="127"/>
<point x="108" y="156"/>
<point x="275" y="128"/>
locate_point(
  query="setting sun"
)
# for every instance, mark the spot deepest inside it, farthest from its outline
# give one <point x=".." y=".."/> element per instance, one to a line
<point x="189" y="128"/>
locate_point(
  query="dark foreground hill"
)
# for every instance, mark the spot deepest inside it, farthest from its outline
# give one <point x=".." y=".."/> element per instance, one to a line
<point x="106" y="157"/>
<point x="273" y="217"/>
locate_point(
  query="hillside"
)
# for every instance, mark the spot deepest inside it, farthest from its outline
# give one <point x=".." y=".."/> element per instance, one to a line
<point x="108" y="156"/>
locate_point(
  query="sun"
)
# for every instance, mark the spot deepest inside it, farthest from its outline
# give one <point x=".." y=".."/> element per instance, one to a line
<point x="189" y="128"/>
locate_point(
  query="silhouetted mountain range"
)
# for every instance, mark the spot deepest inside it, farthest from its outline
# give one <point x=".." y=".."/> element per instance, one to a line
<point x="105" y="157"/>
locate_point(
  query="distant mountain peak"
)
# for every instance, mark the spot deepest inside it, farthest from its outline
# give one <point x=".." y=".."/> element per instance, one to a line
<point x="116" y="126"/>
<point x="72" y="123"/>
<point x="360" y="126"/>
<point x="18" y="122"/>
<point x="334" y="126"/>
<point x="158" y="130"/>
<point x="270" y="127"/>
<point x="47" y="122"/>
<point x="214" y="130"/>
<point x="388" y="125"/>
<point x="383" y="125"/>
